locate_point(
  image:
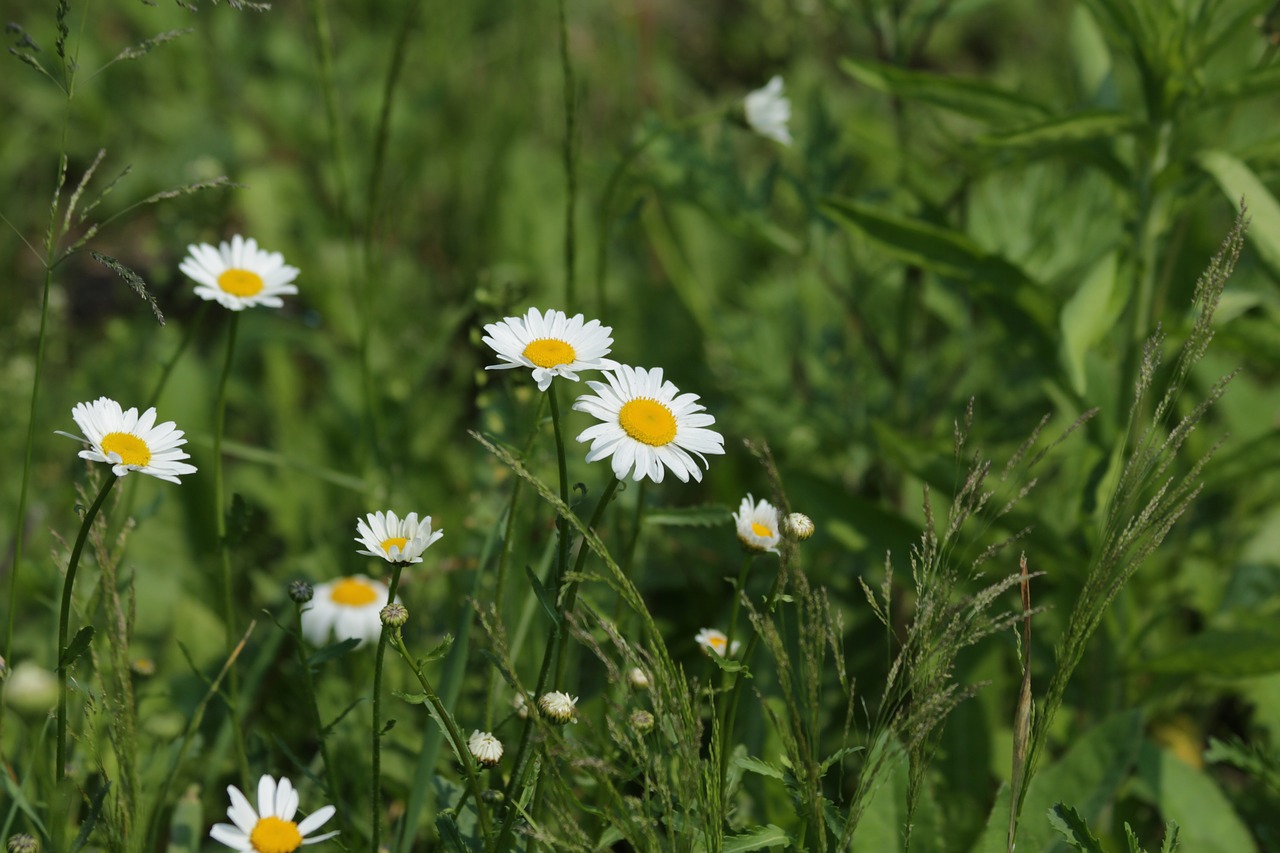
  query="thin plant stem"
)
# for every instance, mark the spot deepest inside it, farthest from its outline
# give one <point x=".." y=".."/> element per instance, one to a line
<point x="735" y="691"/>
<point x="224" y="550"/>
<point x="737" y="599"/>
<point x="570" y="166"/>
<point x="177" y="355"/>
<point x="64" y="615"/>
<point x="629" y="556"/>
<point x="313" y="703"/>
<point x="562" y="526"/>
<point x="375" y="785"/>
<point x="571" y="589"/>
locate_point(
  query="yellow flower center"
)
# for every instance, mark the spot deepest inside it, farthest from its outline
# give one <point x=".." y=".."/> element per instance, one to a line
<point x="394" y="542"/>
<point x="648" y="421"/>
<point x="241" y="282"/>
<point x="760" y="530"/>
<point x="131" y="449"/>
<point x="352" y="592"/>
<point x="717" y="643"/>
<point x="273" y="835"/>
<point x="548" y="352"/>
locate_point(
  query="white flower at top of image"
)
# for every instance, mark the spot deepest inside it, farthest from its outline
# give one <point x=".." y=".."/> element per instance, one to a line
<point x="715" y="641"/>
<point x="647" y="425"/>
<point x="128" y="441"/>
<point x="239" y="275"/>
<point x="396" y="540"/>
<point x="768" y="111"/>
<point x="552" y="344"/>
<point x="347" y="608"/>
<point x="271" y="828"/>
<point x="757" y="525"/>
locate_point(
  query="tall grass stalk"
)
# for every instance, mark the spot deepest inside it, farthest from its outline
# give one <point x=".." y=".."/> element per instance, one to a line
<point x="313" y="706"/>
<point x="570" y="164"/>
<point x="375" y="784"/>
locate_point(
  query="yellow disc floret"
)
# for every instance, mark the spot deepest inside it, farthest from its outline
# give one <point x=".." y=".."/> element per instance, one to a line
<point x="131" y="449"/>
<point x="241" y="282"/>
<point x="760" y="530"/>
<point x="394" y="542"/>
<point x="648" y="421"/>
<point x="273" y="835"/>
<point x="353" y="592"/>
<point x="549" y="352"/>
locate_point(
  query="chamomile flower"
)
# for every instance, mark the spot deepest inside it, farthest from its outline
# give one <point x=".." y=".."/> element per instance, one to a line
<point x="484" y="748"/>
<point x="129" y="442"/>
<point x="558" y="707"/>
<point x="396" y="540"/>
<point x="715" y="641"/>
<point x="648" y="425"/>
<point x="552" y="344"/>
<point x="239" y="275"/>
<point x="757" y="525"/>
<point x="271" y="828"/>
<point x="768" y="111"/>
<point x="349" y="607"/>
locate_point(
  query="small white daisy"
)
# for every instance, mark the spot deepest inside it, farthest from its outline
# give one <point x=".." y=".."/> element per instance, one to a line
<point x="559" y="707"/>
<point x="270" y="829"/>
<point x="396" y="540"/>
<point x="347" y="607"/>
<point x="238" y="274"/>
<point x="715" y="641"/>
<point x="757" y="525"/>
<point x="768" y="111"/>
<point x="129" y="442"/>
<point x="648" y="424"/>
<point x="553" y="344"/>
<point x="485" y="748"/>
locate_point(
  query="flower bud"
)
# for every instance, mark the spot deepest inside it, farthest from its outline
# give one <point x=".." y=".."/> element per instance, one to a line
<point x="638" y="678"/>
<point x="798" y="526"/>
<point x="395" y="615"/>
<point x="485" y="748"/>
<point x="31" y="689"/>
<point x="558" y="707"/>
<point x="642" y="721"/>
<point x="23" y="843"/>
<point x="301" y="591"/>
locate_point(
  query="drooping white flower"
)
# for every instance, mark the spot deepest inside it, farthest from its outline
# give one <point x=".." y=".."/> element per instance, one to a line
<point x="271" y="828"/>
<point x="239" y="275"/>
<point x="768" y="111"/>
<point x="129" y="442"/>
<point x="648" y="425"/>
<point x="552" y="344"/>
<point x="347" y="608"/>
<point x="396" y="540"/>
<point x="757" y="525"/>
<point x="485" y="748"/>
<point x="715" y="641"/>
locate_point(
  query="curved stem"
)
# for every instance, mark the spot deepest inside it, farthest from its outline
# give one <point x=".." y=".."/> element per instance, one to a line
<point x="64" y="615"/>
<point x="375" y="790"/>
<point x="313" y="703"/>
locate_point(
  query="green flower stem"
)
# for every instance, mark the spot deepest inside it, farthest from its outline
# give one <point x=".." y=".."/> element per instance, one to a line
<point x="562" y="526"/>
<point x="571" y="590"/>
<point x="731" y="705"/>
<point x="451" y="728"/>
<point x="375" y="790"/>
<point x="570" y="167"/>
<point x="737" y="600"/>
<point x="177" y="354"/>
<point x="629" y="556"/>
<point x="313" y="703"/>
<point x="224" y="551"/>
<point x="64" y="615"/>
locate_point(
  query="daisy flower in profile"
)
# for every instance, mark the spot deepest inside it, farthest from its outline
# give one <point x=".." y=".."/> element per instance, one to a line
<point x="271" y="828"/>
<point x="485" y="748"/>
<point x="129" y="442"/>
<point x="757" y="525"/>
<point x="768" y="111"/>
<point x="239" y="275"/>
<point x="553" y="344"/>
<point x="396" y="540"/>
<point x="347" y="607"/>
<point x="715" y="641"/>
<point x="647" y="425"/>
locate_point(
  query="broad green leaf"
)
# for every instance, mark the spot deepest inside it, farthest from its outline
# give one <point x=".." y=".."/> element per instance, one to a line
<point x="756" y="765"/>
<point x="1207" y="822"/>
<point x="708" y="515"/>
<point x="1087" y="317"/>
<point x="78" y="645"/>
<point x="1066" y="130"/>
<point x="1075" y="829"/>
<point x="1231" y="654"/>
<point x="544" y="596"/>
<point x="760" y="838"/>
<point x="881" y="829"/>
<point x="1239" y="181"/>
<point x="968" y="97"/>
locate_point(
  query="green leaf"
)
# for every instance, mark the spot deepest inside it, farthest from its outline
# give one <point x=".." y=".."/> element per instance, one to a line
<point x="1239" y="181"/>
<point x="759" y="766"/>
<point x="437" y="651"/>
<point x="729" y="664"/>
<point x="760" y="838"/>
<point x="449" y="833"/>
<point x="1066" y="130"/>
<point x="544" y="597"/>
<point x="1075" y="829"/>
<point x="78" y="645"/>
<point x="1231" y="654"/>
<point x="411" y="698"/>
<point x="1087" y="317"/>
<point x="1192" y="799"/>
<point x="187" y="823"/>
<point x="1172" y="833"/>
<point x="331" y="651"/>
<point x="709" y="515"/>
<point x="967" y="97"/>
<point x="91" y="819"/>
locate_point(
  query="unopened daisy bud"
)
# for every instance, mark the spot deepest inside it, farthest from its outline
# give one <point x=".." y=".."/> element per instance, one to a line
<point x="642" y="721"/>
<point x="4" y="669"/>
<point x="638" y="678"/>
<point x="798" y="526"/>
<point x="31" y="690"/>
<point x="485" y="748"/>
<point x="23" y="843"/>
<point x="521" y="704"/>
<point x="489" y="795"/>
<point x="301" y="592"/>
<point x="558" y="707"/>
<point x="395" y="615"/>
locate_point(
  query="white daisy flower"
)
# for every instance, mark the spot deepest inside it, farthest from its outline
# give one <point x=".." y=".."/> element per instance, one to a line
<point x="347" y="607"/>
<point x="129" y="442"/>
<point x="757" y="525"/>
<point x="715" y="641"/>
<point x="768" y="111"/>
<point x="239" y="275"/>
<point x="485" y="748"/>
<point x="553" y="344"/>
<point x="559" y="707"/>
<point x="396" y="540"/>
<point x="648" y="424"/>
<point x="270" y="829"/>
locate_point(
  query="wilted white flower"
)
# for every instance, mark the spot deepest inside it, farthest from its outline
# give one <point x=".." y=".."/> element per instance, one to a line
<point x="239" y="275"/>
<point x="552" y="344"/>
<point x="129" y="442"/>
<point x="349" y="607"/>
<point x="396" y="540"/>
<point x="270" y="829"/>
<point x="757" y="525"/>
<point x="715" y="641"/>
<point x="558" y="707"/>
<point x="768" y="111"/>
<point x="485" y="748"/>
